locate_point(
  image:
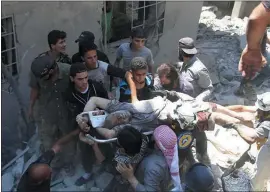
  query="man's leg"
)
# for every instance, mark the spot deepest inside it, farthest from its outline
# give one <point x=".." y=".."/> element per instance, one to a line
<point x="88" y="160"/>
<point x="262" y="173"/>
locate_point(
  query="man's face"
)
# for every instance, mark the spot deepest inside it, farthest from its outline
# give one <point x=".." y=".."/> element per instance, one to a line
<point x="166" y="83"/>
<point x="80" y="81"/>
<point x="90" y="58"/>
<point x="139" y="75"/>
<point x="60" y="46"/>
<point x="138" y="43"/>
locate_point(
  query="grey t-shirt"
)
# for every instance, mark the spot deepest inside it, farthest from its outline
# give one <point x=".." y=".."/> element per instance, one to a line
<point x="99" y="74"/>
<point x="124" y="52"/>
<point x="153" y="173"/>
<point x="263" y="129"/>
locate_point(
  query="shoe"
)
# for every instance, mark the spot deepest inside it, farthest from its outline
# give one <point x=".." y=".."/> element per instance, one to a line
<point x="81" y="181"/>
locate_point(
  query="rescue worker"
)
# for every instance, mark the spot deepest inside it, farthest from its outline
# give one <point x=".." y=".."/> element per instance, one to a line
<point x="37" y="177"/>
<point x="252" y="59"/>
<point x="159" y="167"/>
<point x="261" y="131"/>
<point x="169" y="79"/>
<point x="81" y="89"/>
<point x="98" y="70"/>
<point x="141" y="79"/>
<point x="87" y="37"/>
<point x="57" y="45"/>
<point x="50" y="80"/>
<point x="193" y="70"/>
<point x="127" y="51"/>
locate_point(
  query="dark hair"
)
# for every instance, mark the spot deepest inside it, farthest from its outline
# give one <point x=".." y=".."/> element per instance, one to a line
<point x="77" y="68"/>
<point x="54" y="36"/>
<point x="138" y="63"/>
<point x="138" y="33"/>
<point x="86" y="46"/>
<point x="130" y="139"/>
<point x="169" y="71"/>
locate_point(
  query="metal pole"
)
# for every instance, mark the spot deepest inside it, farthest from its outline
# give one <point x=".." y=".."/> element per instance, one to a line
<point x="105" y="36"/>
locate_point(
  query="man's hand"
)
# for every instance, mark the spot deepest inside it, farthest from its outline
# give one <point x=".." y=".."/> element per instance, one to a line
<point x="83" y="123"/>
<point x="126" y="171"/>
<point x="84" y="139"/>
<point x="251" y="61"/>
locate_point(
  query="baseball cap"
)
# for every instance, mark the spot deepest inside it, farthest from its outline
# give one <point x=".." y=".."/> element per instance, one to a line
<point x="42" y="65"/>
<point x="187" y="45"/>
<point x="85" y="36"/>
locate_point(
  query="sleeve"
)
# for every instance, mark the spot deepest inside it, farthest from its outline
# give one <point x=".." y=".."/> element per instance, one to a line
<point x="150" y="60"/>
<point x="204" y="81"/>
<point x="33" y="83"/>
<point x="266" y="4"/>
<point x="119" y="53"/>
<point x="116" y="72"/>
<point x="152" y="178"/>
<point x="101" y="91"/>
<point x="262" y="131"/>
<point x="157" y="85"/>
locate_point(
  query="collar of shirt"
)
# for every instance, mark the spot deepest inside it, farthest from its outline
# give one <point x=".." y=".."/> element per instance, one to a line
<point x="189" y="63"/>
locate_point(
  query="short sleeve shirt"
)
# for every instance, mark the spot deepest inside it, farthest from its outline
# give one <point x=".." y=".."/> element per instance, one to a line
<point x="125" y="52"/>
<point x="263" y="129"/>
<point x="51" y="102"/>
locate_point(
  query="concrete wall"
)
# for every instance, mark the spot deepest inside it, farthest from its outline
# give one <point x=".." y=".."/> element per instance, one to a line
<point x="243" y="9"/>
<point x="34" y="20"/>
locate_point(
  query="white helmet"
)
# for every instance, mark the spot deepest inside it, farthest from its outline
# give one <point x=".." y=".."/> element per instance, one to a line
<point x="185" y="116"/>
<point x="263" y="101"/>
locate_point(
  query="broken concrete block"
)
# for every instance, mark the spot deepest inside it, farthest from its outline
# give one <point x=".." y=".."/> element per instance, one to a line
<point x="7" y="181"/>
<point x="103" y="180"/>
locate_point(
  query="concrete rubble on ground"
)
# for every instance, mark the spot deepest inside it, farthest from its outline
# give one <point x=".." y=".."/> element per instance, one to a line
<point x="220" y="42"/>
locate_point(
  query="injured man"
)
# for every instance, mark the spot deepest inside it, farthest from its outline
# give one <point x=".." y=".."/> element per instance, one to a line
<point x="178" y="110"/>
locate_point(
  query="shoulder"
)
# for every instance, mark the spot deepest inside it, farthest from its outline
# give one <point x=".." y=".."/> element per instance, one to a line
<point x="124" y="46"/>
<point x="147" y="50"/>
<point x="103" y="64"/>
<point x="265" y="125"/>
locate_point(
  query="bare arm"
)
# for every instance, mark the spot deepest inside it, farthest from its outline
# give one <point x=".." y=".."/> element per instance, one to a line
<point x="132" y="87"/>
<point x="258" y="21"/>
<point x="242" y="108"/>
<point x="248" y="134"/>
<point x="33" y="97"/>
<point x="64" y="140"/>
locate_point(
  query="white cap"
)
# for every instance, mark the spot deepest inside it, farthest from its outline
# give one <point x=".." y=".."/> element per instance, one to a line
<point x="185" y="116"/>
<point x="263" y="101"/>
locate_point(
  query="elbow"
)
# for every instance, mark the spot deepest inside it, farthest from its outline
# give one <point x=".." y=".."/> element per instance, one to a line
<point x="251" y="140"/>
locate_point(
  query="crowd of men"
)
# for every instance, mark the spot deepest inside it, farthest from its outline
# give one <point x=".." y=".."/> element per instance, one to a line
<point x="173" y="103"/>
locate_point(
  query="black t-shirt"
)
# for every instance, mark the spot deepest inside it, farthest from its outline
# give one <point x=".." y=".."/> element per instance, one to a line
<point x="79" y="99"/>
<point x="266" y="5"/>
<point x="101" y="56"/>
<point x="26" y="186"/>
